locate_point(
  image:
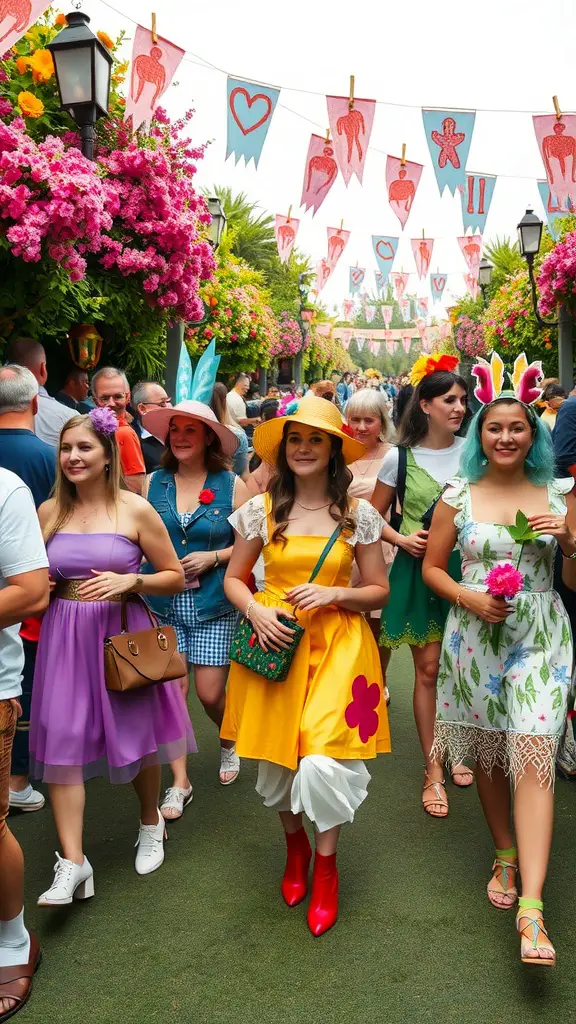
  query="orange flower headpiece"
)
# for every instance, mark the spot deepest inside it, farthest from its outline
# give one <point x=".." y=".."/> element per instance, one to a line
<point x="426" y="365"/>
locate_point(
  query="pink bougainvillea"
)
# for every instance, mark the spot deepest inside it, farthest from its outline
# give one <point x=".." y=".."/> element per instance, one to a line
<point x="557" y="280"/>
<point x="469" y="337"/>
<point x="289" y="340"/>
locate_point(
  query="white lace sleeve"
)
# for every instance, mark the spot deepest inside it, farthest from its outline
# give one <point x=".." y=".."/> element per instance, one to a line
<point x="369" y="524"/>
<point x="455" y="492"/>
<point x="250" y="520"/>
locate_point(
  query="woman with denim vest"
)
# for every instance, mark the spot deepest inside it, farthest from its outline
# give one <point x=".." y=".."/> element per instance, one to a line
<point x="194" y="493"/>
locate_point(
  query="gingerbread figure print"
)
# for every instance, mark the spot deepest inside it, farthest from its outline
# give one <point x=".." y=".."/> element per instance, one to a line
<point x="449" y="134"/>
<point x="153" y="68"/>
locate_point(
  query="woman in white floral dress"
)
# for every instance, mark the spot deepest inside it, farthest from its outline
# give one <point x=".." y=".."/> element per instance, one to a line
<point x="506" y="663"/>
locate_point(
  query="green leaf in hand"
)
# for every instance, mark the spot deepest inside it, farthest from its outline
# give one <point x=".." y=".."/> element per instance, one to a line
<point x="522" y="532"/>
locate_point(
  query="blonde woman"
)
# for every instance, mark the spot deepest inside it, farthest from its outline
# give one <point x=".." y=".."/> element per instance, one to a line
<point x="96" y="535"/>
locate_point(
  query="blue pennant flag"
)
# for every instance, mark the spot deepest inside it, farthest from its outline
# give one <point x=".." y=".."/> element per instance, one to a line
<point x="356" y="278"/>
<point x="249" y="108"/>
<point x="384" y="250"/>
<point x="205" y="375"/>
<point x="449" y="134"/>
<point x="437" y="285"/>
<point x="554" y="208"/>
<point x="476" y="199"/>
<point x="183" y="377"/>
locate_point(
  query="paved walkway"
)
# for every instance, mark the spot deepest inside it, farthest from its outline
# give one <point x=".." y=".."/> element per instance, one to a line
<point x="207" y="938"/>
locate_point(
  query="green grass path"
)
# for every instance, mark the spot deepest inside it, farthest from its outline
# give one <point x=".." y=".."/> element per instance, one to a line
<point x="207" y="939"/>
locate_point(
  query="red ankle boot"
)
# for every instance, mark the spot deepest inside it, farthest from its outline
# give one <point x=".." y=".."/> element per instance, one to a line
<point x="323" y="909"/>
<point x="299" y="854"/>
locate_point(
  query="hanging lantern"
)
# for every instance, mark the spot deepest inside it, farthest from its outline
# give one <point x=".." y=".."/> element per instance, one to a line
<point x="85" y="346"/>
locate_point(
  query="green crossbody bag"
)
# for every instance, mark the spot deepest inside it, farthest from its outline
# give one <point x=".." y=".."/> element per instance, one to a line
<point x="274" y="665"/>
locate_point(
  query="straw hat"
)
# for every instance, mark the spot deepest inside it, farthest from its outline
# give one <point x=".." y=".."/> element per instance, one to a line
<point x="157" y="422"/>
<point x="314" y="412"/>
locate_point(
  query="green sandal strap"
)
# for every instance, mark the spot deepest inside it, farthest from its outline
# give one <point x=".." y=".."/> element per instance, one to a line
<point x="527" y="904"/>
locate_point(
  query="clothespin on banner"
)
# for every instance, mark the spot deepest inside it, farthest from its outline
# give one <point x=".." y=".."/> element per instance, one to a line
<point x="423" y="234"/>
<point x="327" y="139"/>
<point x="403" y="157"/>
<point x="341" y="226"/>
<point x="154" y="32"/>
<point x="289" y="212"/>
<point x="351" y="100"/>
<point x="557" y="107"/>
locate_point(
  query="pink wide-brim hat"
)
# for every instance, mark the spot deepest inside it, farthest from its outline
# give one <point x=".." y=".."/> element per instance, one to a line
<point x="157" y="422"/>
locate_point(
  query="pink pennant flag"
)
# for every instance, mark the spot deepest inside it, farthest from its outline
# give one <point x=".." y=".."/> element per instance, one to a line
<point x="556" y="138"/>
<point x="370" y="313"/>
<point x="471" y="282"/>
<point x="285" y="230"/>
<point x="320" y="173"/>
<point x="346" y="338"/>
<point x="422" y="249"/>
<point x="402" y="180"/>
<point x="400" y="283"/>
<point x="406" y="343"/>
<point x="351" y="130"/>
<point x="17" y="17"/>
<point x="337" y="242"/>
<point x="153" y="68"/>
<point x="391" y="346"/>
<point x="426" y="341"/>
<point x="471" y="248"/>
<point x="387" y="315"/>
<point x="323" y="271"/>
<point x="348" y="308"/>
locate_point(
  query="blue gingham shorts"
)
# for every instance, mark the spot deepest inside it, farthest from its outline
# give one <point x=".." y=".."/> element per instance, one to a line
<point x="203" y="643"/>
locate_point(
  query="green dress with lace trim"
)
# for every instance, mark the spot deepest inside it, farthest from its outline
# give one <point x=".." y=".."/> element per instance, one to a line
<point x="414" y="614"/>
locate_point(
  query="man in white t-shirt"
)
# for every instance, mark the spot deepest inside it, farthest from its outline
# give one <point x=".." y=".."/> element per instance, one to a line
<point x="51" y="415"/>
<point x="24" y="591"/>
<point x="235" y="404"/>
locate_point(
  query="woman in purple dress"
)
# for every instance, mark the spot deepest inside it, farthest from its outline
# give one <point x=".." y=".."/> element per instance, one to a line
<point x="96" y="535"/>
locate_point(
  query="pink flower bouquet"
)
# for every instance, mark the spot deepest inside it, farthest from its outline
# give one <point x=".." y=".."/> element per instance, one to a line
<point x="503" y="581"/>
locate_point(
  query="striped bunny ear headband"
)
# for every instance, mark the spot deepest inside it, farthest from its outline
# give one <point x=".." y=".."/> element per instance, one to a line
<point x="525" y="377"/>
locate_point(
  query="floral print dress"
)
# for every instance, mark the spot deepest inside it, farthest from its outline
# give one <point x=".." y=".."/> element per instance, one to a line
<point x="509" y="708"/>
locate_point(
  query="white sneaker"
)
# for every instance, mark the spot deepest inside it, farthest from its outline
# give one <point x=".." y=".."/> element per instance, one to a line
<point x="150" y="845"/>
<point x="26" y="799"/>
<point x="71" y="881"/>
<point x="229" y="765"/>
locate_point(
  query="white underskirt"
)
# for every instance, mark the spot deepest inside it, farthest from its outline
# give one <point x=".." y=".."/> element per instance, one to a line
<point x="329" y="792"/>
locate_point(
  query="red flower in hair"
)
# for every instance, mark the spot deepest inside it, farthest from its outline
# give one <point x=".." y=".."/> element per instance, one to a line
<point x="346" y="429"/>
<point x="206" y="496"/>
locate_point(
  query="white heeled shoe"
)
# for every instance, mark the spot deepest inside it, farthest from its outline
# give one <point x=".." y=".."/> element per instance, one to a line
<point x="150" y="845"/>
<point x="71" y="881"/>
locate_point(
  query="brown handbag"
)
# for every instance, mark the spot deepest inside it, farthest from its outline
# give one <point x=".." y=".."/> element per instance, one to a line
<point x="134" y="660"/>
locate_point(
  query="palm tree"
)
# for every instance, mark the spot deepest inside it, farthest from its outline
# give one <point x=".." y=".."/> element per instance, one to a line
<point x="252" y="233"/>
<point x="505" y="255"/>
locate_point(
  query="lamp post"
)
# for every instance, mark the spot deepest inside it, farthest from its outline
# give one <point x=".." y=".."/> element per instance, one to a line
<point x="485" y="276"/>
<point x="83" y="65"/>
<point x="218" y="223"/>
<point x="304" y="317"/>
<point x="529" y="237"/>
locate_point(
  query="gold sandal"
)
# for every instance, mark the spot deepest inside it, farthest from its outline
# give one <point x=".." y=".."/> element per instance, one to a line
<point x="507" y="860"/>
<point x="531" y="931"/>
<point x="440" y="794"/>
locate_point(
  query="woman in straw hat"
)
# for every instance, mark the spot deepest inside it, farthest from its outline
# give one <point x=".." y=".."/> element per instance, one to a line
<point x="311" y="732"/>
<point x="194" y="493"/>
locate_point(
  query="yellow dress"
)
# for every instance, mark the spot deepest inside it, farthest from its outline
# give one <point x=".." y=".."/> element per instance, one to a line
<point x="331" y="702"/>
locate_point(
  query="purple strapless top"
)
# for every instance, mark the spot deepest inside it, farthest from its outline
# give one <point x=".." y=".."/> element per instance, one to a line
<point x="74" y="555"/>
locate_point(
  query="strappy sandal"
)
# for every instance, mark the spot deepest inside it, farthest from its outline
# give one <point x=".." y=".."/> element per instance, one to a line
<point x="16" y="982"/>
<point x="464" y="773"/>
<point x="175" y="801"/>
<point x="531" y="931"/>
<point x="440" y="796"/>
<point x="506" y="860"/>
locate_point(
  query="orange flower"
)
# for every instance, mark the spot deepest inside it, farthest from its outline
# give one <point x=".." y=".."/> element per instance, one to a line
<point x="22" y="65"/>
<point x="61" y="20"/>
<point x="42" y="66"/>
<point x="105" y="39"/>
<point x="30" y="105"/>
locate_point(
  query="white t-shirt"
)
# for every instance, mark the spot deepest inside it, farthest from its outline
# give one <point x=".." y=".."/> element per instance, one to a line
<point x="441" y="463"/>
<point x="50" y="418"/>
<point x="236" y="408"/>
<point x="21" y="550"/>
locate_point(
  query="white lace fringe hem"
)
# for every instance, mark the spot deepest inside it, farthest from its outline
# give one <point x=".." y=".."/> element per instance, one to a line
<point x="511" y="751"/>
<point x="329" y="792"/>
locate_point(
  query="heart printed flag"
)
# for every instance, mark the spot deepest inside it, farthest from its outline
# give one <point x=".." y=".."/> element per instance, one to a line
<point x="337" y="242"/>
<point x="449" y="134"/>
<point x="320" y="173"/>
<point x="422" y="249"/>
<point x="471" y="249"/>
<point x="476" y="199"/>
<point x="556" y="139"/>
<point x="384" y="250"/>
<point x="351" y="130"/>
<point x="402" y="180"/>
<point x="386" y="314"/>
<point x="249" y="112"/>
<point x="348" y="308"/>
<point x="400" y="283"/>
<point x="285" y="229"/>
<point x="437" y="285"/>
<point x="357" y="275"/>
<point x="152" y="69"/>
<point x="323" y="271"/>
<point x="554" y="208"/>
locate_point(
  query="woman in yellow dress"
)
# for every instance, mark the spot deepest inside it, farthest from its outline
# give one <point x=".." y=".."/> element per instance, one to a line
<point x="312" y="732"/>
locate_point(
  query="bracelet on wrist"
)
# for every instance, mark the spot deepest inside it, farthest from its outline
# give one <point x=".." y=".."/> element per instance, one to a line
<point x="216" y="559"/>
<point x="249" y="608"/>
<point x="139" y="583"/>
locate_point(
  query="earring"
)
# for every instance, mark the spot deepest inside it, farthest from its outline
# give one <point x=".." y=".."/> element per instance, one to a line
<point x="484" y="461"/>
<point x="332" y="466"/>
<point x="107" y="469"/>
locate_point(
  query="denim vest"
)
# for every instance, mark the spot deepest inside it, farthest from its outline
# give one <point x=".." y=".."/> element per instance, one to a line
<point x="208" y="530"/>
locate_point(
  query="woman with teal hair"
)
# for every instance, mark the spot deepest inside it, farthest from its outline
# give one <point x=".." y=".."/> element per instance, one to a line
<point x="506" y="659"/>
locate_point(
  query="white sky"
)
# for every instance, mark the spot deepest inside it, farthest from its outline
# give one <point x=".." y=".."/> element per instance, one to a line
<point x="494" y="56"/>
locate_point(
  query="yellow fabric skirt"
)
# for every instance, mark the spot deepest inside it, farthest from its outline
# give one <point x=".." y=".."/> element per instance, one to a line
<point x="332" y="701"/>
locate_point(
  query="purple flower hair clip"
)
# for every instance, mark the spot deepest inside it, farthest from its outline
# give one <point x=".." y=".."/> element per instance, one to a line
<point x="104" y="421"/>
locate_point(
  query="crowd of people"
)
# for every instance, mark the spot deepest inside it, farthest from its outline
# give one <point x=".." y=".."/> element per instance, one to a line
<point x="268" y="533"/>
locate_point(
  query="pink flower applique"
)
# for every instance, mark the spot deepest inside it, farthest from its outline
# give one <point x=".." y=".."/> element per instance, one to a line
<point x="542" y="718"/>
<point x="476" y="717"/>
<point x="361" y="712"/>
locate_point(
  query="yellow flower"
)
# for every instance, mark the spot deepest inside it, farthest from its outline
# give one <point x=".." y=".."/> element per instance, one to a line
<point x="42" y="66"/>
<point x="60" y="20"/>
<point x="22" y="65"/>
<point x="30" y="105"/>
<point x="105" y="38"/>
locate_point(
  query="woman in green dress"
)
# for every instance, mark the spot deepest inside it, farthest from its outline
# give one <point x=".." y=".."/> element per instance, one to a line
<point x="415" y="615"/>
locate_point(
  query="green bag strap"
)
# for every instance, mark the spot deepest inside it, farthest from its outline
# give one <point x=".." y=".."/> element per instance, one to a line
<point x="327" y="549"/>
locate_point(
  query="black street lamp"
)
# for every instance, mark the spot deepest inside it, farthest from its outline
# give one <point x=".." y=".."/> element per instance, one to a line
<point x="218" y="223"/>
<point x="304" y="323"/>
<point x="485" y="276"/>
<point x="83" y="65"/>
<point x="529" y="237"/>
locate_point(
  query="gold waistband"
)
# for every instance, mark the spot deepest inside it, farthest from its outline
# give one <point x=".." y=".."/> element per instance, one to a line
<point x="69" y="592"/>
